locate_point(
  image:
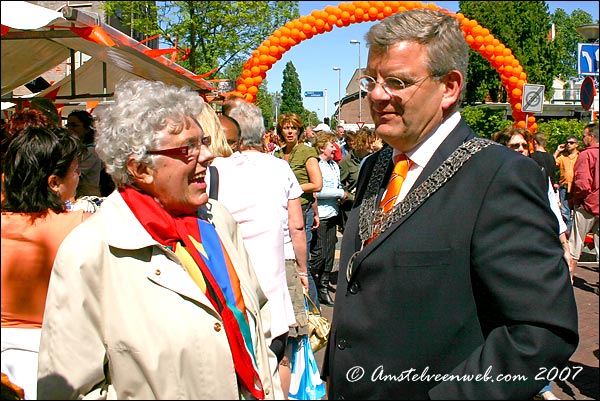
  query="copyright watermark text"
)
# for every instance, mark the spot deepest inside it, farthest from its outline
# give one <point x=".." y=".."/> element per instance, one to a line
<point x="357" y="373"/>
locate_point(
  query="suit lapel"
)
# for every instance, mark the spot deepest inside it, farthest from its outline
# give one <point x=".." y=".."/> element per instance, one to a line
<point x="457" y="137"/>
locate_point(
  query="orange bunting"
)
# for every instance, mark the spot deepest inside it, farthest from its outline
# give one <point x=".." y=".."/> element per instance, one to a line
<point x="94" y="34"/>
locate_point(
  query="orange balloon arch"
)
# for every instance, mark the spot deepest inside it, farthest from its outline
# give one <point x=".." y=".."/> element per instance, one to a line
<point x="480" y="39"/>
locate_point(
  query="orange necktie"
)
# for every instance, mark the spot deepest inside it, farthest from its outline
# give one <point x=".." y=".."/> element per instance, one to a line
<point x="396" y="180"/>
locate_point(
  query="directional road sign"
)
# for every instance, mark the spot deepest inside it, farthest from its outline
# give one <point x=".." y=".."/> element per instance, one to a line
<point x="313" y="94"/>
<point x="587" y="58"/>
<point x="533" y="98"/>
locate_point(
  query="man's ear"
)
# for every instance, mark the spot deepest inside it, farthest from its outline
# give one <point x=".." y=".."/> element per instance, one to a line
<point x="453" y="82"/>
<point x="140" y="172"/>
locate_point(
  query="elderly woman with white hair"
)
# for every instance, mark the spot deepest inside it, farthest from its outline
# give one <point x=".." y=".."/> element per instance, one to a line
<point x="155" y="297"/>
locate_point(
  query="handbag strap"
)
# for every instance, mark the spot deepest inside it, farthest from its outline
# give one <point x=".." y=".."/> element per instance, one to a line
<point x="213" y="191"/>
<point x="312" y="306"/>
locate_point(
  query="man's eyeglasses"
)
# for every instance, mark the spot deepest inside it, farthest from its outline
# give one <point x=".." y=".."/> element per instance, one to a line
<point x="518" y="145"/>
<point x="571" y="142"/>
<point x="187" y="150"/>
<point x="391" y="85"/>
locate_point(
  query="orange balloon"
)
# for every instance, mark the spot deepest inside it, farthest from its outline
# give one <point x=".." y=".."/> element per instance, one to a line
<point x="253" y="90"/>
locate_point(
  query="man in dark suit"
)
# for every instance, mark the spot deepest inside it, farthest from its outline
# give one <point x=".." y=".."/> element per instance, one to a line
<point x="460" y="291"/>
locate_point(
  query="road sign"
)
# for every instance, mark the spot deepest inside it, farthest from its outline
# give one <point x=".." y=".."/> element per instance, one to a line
<point x="533" y="98"/>
<point x="587" y="58"/>
<point x="313" y="94"/>
<point x="587" y="92"/>
<point x="360" y="124"/>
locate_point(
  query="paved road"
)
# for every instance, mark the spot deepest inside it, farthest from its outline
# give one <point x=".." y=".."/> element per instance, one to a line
<point x="585" y="385"/>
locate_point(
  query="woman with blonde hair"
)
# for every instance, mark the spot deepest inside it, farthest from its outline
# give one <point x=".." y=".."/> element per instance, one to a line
<point x="209" y="121"/>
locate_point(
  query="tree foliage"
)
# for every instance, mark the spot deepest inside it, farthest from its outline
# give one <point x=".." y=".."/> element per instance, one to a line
<point x="557" y="131"/>
<point x="567" y="39"/>
<point x="523" y="27"/>
<point x="216" y="34"/>
<point x="485" y="121"/>
<point x="291" y="92"/>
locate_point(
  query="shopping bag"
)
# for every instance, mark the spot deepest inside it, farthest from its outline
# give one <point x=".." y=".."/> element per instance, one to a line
<point x="305" y="383"/>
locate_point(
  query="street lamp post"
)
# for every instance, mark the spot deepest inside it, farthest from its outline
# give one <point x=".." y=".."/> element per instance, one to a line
<point x="339" y="108"/>
<point x="357" y="42"/>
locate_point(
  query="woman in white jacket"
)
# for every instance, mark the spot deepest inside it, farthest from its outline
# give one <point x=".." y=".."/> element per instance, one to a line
<point x="155" y="297"/>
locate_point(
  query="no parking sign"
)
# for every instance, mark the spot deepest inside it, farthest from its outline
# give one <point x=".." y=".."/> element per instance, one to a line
<point x="587" y="93"/>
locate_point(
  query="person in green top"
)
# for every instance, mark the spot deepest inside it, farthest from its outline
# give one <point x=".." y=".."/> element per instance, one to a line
<point x="304" y="162"/>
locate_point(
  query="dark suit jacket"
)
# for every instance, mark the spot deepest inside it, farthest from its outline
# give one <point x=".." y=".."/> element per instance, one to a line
<point x="472" y="282"/>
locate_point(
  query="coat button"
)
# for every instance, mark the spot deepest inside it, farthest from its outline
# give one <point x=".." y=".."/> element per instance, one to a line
<point x="157" y="272"/>
<point x="342" y="344"/>
<point x="354" y="288"/>
<point x="267" y="392"/>
<point x="217" y="326"/>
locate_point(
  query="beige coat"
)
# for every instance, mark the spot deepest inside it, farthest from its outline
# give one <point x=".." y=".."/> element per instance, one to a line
<point x="116" y="295"/>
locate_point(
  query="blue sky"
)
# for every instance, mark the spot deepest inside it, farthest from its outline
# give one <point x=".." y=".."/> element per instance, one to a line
<point x="315" y="58"/>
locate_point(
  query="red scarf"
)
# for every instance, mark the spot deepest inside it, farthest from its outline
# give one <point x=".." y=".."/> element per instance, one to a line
<point x="172" y="231"/>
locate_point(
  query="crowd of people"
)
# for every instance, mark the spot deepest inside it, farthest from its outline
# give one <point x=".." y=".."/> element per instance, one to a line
<point x="188" y="277"/>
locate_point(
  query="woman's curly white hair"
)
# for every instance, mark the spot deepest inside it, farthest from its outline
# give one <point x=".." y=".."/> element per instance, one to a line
<point x="130" y="126"/>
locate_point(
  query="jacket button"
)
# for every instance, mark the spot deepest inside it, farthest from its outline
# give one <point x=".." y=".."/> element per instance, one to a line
<point x="217" y="326"/>
<point x="342" y="344"/>
<point x="157" y="272"/>
<point x="354" y="288"/>
<point x="267" y="392"/>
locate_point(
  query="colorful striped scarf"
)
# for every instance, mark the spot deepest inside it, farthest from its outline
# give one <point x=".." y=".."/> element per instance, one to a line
<point x="188" y="237"/>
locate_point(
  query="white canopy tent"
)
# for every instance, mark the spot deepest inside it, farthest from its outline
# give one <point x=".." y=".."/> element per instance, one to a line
<point x="36" y="39"/>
